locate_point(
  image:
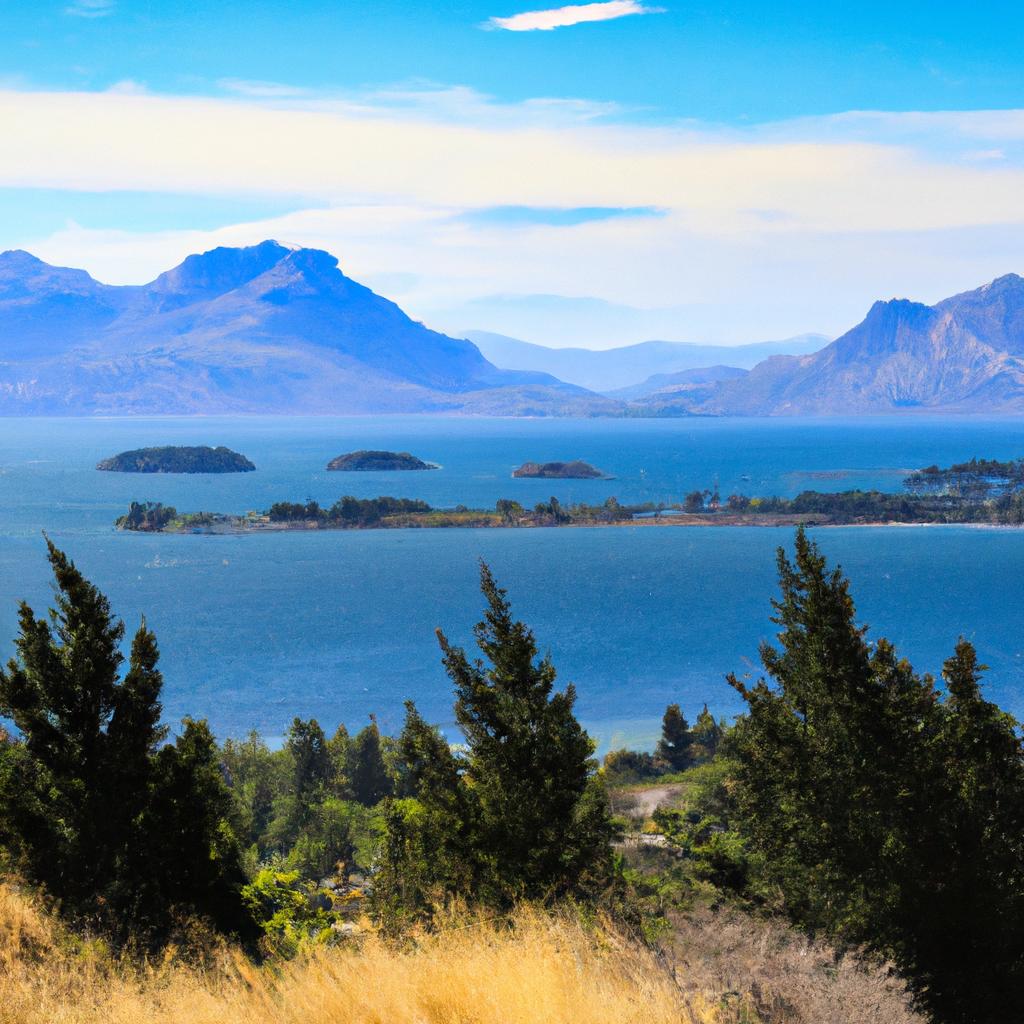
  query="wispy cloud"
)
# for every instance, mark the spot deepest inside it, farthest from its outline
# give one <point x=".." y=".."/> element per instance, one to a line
<point x="91" y="8"/>
<point x="554" y="217"/>
<point x="261" y="90"/>
<point x="576" y="14"/>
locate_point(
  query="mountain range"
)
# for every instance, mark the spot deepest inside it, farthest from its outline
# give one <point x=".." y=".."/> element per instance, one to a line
<point x="266" y="328"/>
<point x="614" y="369"/>
<point x="964" y="354"/>
<point x="274" y="329"/>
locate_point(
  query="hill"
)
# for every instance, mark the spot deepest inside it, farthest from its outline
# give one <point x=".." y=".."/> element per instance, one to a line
<point x="661" y="385"/>
<point x="267" y="329"/>
<point x="614" y="368"/>
<point x="368" y="461"/>
<point x="964" y="354"/>
<point x="177" y="460"/>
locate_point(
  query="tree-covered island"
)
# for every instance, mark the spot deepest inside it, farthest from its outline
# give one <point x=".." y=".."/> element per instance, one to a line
<point x="976" y="492"/>
<point x="177" y="459"/>
<point x="575" y="470"/>
<point x="371" y="461"/>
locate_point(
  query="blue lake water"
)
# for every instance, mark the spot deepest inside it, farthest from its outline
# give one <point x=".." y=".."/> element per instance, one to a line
<point x="257" y="629"/>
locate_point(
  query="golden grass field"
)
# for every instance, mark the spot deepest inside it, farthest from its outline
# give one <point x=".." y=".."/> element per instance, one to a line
<point x="544" y="969"/>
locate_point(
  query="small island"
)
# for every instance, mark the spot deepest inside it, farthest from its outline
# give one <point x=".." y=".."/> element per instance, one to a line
<point x="177" y="459"/>
<point x="368" y="461"/>
<point x="976" y="493"/>
<point x="576" y="470"/>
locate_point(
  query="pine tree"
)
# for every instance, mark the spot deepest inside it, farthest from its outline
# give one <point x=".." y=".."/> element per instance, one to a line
<point x="974" y="855"/>
<point x="429" y="853"/>
<point x="834" y="758"/>
<point x="78" y="792"/>
<point x="886" y="816"/>
<point x="707" y="734"/>
<point x="676" y="740"/>
<point x="312" y="767"/>
<point x="88" y="738"/>
<point x="368" y="774"/>
<point x="543" y="822"/>
<point x="338" y="749"/>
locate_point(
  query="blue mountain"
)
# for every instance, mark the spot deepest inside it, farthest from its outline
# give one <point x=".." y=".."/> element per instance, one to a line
<point x="262" y="329"/>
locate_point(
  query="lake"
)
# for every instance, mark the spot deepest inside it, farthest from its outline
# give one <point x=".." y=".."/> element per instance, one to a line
<point x="259" y="628"/>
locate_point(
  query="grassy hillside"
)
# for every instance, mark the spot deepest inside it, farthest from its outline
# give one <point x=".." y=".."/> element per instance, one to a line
<point x="716" y="969"/>
<point x="545" y="969"/>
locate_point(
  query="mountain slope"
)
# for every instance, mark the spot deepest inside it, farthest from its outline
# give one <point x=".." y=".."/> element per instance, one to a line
<point x="663" y="384"/>
<point x="260" y="329"/>
<point x="964" y="354"/>
<point x="610" y="369"/>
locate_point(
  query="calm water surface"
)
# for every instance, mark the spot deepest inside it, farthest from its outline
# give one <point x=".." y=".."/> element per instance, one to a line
<point x="257" y="629"/>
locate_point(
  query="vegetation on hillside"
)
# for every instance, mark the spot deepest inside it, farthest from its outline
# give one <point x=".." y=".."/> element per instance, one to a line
<point x="575" y="470"/>
<point x="178" y="459"/>
<point x="365" y="461"/>
<point x="854" y="799"/>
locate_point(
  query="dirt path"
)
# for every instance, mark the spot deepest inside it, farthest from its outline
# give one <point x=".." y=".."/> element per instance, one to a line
<point x="643" y="802"/>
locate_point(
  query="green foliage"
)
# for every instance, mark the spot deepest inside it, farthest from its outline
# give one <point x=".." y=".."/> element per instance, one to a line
<point x="348" y="511"/>
<point x="707" y="735"/>
<point x="368" y="775"/>
<point x="292" y="914"/>
<point x="674" y="747"/>
<point x="125" y="833"/>
<point x="518" y="814"/>
<point x="294" y="808"/>
<point x="885" y="815"/>
<point x="624" y="767"/>
<point x="178" y="459"/>
<point x="312" y="765"/>
<point x="148" y="516"/>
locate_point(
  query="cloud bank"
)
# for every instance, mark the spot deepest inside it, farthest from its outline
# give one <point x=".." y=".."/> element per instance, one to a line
<point x="576" y="14"/>
<point x="442" y="198"/>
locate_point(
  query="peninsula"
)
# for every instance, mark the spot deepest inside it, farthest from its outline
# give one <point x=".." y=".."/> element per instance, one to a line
<point x="368" y="461"/>
<point x="576" y="470"/>
<point x="978" y="492"/>
<point x="177" y="459"/>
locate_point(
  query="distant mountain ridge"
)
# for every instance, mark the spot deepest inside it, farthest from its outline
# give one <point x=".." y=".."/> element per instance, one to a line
<point x="267" y="328"/>
<point x="609" y="370"/>
<point x="964" y="354"/>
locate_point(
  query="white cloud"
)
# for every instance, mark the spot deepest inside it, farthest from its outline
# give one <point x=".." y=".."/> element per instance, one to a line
<point x="770" y="230"/>
<point x="91" y="8"/>
<point x="261" y="90"/>
<point x="576" y="14"/>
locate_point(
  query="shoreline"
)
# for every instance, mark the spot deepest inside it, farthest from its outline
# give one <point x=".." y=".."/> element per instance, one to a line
<point x="239" y="526"/>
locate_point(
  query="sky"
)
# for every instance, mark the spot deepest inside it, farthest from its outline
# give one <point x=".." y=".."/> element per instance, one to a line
<point x="590" y="174"/>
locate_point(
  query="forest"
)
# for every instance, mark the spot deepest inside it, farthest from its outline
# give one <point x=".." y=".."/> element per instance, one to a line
<point x="868" y="811"/>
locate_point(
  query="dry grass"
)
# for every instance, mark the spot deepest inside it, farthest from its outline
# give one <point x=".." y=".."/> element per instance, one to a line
<point x="785" y="978"/>
<point x="543" y="970"/>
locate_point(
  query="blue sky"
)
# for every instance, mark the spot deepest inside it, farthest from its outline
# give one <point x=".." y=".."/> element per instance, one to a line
<point x="712" y="61"/>
<point x="726" y="171"/>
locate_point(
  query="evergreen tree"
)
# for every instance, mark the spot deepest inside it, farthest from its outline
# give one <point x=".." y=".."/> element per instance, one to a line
<point x="429" y="849"/>
<point x="191" y="862"/>
<point x="707" y="734"/>
<point x="338" y="749"/>
<point x="312" y="765"/>
<point x="543" y="821"/>
<point x="516" y="814"/>
<point x="255" y="776"/>
<point x="368" y="774"/>
<point x="884" y="815"/>
<point x="676" y="740"/>
<point x="78" y="792"/>
<point x="974" y="855"/>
